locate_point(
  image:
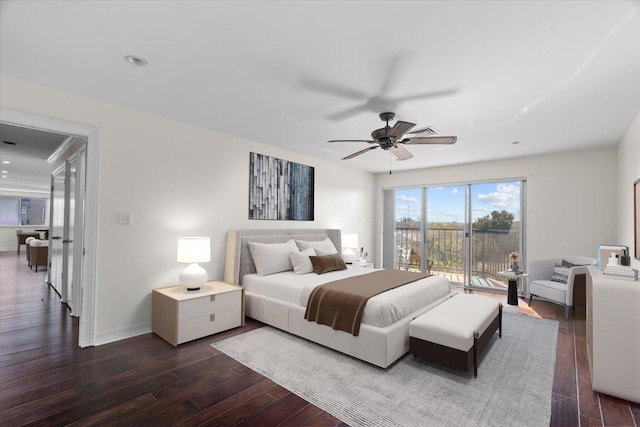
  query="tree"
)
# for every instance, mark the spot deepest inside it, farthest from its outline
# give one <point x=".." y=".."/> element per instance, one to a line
<point x="495" y="221"/>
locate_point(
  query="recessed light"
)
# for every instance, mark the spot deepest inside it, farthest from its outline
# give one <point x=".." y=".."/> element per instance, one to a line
<point x="4" y="176"/>
<point x="6" y="162"/>
<point x="136" y="60"/>
<point x="4" y="172"/>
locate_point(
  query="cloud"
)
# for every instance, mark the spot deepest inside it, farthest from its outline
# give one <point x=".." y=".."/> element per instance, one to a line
<point x="455" y="191"/>
<point x="406" y="199"/>
<point x="506" y="197"/>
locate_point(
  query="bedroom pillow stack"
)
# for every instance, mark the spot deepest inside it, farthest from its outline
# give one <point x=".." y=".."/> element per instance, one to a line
<point x="271" y="258"/>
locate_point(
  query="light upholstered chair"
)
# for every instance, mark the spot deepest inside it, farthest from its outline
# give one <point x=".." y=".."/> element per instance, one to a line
<point x="28" y="251"/>
<point x="39" y="253"/>
<point x="549" y="279"/>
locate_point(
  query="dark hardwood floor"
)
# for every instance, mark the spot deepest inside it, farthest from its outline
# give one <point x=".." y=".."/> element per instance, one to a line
<point x="45" y="379"/>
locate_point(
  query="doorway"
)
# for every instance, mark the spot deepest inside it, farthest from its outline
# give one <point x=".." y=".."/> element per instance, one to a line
<point x="87" y="259"/>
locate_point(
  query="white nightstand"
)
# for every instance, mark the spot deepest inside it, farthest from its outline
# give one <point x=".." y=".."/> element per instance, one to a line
<point x="363" y="264"/>
<point x="179" y="315"/>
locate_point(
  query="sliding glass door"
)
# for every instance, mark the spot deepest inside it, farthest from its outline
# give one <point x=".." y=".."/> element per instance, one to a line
<point x="462" y="232"/>
<point x="446" y="245"/>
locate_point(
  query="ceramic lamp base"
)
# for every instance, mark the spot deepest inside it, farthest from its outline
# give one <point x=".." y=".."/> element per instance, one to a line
<point x="193" y="277"/>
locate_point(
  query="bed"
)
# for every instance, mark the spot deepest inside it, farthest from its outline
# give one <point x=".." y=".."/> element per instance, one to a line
<point x="279" y="299"/>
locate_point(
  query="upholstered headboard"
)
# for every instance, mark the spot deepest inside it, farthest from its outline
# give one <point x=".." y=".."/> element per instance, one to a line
<point x="238" y="259"/>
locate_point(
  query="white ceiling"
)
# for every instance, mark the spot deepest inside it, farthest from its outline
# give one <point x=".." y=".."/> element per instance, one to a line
<point x="556" y="76"/>
<point x="27" y="151"/>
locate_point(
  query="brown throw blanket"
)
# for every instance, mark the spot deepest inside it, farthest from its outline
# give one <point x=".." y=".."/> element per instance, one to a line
<point x="340" y="304"/>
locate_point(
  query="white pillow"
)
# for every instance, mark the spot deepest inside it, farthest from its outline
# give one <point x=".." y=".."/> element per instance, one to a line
<point x="301" y="262"/>
<point x="271" y="258"/>
<point x="325" y="245"/>
<point x="322" y="252"/>
<point x="36" y="243"/>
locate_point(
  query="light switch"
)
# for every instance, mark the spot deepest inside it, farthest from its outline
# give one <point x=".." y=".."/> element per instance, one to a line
<point x="125" y="218"/>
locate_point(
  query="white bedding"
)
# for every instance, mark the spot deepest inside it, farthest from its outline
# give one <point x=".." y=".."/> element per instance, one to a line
<point x="381" y="311"/>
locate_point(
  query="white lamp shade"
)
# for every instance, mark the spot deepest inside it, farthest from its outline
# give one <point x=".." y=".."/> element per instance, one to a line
<point x="194" y="249"/>
<point x="349" y="240"/>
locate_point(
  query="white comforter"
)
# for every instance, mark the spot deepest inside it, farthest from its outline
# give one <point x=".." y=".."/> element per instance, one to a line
<point x="381" y="310"/>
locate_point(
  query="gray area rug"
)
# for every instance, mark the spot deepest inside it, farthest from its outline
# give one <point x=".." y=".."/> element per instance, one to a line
<point x="513" y="388"/>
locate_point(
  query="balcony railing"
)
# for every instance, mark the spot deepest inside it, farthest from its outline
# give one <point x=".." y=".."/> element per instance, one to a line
<point x="445" y="250"/>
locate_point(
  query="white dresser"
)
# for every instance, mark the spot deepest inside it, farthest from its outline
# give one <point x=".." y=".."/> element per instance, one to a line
<point x="179" y="315"/>
<point x="613" y="335"/>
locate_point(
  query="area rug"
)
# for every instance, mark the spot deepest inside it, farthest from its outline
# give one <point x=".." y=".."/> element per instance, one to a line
<point x="513" y="388"/>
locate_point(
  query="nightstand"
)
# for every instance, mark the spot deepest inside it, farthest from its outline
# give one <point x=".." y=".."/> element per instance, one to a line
<point x="363" y="264"/>
<point x="179" y="315"/>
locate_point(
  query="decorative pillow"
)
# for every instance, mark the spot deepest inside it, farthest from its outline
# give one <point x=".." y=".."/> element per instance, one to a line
<point x="36" y="243"/>
<point x="326" y="263"/>
<point x="325" y="245"/>
<point x="29" y="239"/>
<point x="301" y="262"/>
<point x="323" y="252"/>
<point x="560" y="274"/>
<point x="271" y="258"/>
<point x="568" y="264"/>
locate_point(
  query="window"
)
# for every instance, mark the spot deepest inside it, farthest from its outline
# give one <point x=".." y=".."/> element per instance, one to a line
<point x="17" y="210"/>
<point x="464" y="232"/>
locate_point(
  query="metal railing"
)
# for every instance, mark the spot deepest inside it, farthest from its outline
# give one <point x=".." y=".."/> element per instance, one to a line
<point x="445" y="250"/>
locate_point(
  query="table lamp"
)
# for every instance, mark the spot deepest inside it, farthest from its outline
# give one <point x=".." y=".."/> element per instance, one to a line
<point x="192" y="250"/>
<point x="349" y="242"/>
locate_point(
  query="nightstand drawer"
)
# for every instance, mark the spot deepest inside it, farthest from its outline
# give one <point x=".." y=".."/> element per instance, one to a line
<point x="192" y="329"/>
<point x="209" y="304"/>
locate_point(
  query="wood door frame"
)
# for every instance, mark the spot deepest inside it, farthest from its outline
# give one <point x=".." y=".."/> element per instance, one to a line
<point x="87" y="324"/>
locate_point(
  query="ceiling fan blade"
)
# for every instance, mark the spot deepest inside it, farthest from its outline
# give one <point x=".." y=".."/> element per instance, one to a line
<point x="401" y="153"/>
<point x="333" y="89"/>
<point x="430" y="140"/>
<point x="399" y="129"/>
<point x="352" y="140"/>
<point x="345" y="114"/>
<point x="432" y="94"/>
<point x="351" y="156"/>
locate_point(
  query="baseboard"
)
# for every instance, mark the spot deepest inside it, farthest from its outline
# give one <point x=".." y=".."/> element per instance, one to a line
<point x="121" y="334"/>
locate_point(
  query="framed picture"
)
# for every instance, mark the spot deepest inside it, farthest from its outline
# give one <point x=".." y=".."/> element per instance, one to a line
<point x="636" y="219"/>
<point x="280" y="189"/>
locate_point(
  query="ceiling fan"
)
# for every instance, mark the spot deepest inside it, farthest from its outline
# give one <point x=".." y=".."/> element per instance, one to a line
<point x="392" y="138"/>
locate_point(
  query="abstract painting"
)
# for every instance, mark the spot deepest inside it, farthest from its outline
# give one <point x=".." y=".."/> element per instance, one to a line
<point x="280" y="189"/>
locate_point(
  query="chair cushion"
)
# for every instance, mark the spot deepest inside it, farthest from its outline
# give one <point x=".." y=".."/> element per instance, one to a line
<point x="453" y="322"/>
<point x="555" y="291"/>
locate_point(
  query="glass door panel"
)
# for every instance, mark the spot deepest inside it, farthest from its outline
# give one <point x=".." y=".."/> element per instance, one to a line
<point x="496" y="232"/>
<point x="408" y="226"/>
<point x="446" y="238"/>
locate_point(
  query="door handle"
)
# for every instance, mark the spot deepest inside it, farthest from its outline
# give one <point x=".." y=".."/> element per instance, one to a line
<point x="56" y="238"/>
<point x="67" y="241"/>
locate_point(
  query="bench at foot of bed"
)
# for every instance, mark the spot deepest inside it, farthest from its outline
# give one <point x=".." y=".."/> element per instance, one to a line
<point x="456" y="331"/>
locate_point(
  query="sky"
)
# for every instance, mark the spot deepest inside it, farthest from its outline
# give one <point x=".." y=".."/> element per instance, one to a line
<point x="447" y="204"/>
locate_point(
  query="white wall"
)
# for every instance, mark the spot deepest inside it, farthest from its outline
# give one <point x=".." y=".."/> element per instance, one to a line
<point x="177" y="180"/>
<point x="628" y="173"/>
<point x="571" y="197"/>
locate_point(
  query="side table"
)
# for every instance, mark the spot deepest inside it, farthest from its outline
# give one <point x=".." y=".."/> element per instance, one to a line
<point x="512" y="290"/>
